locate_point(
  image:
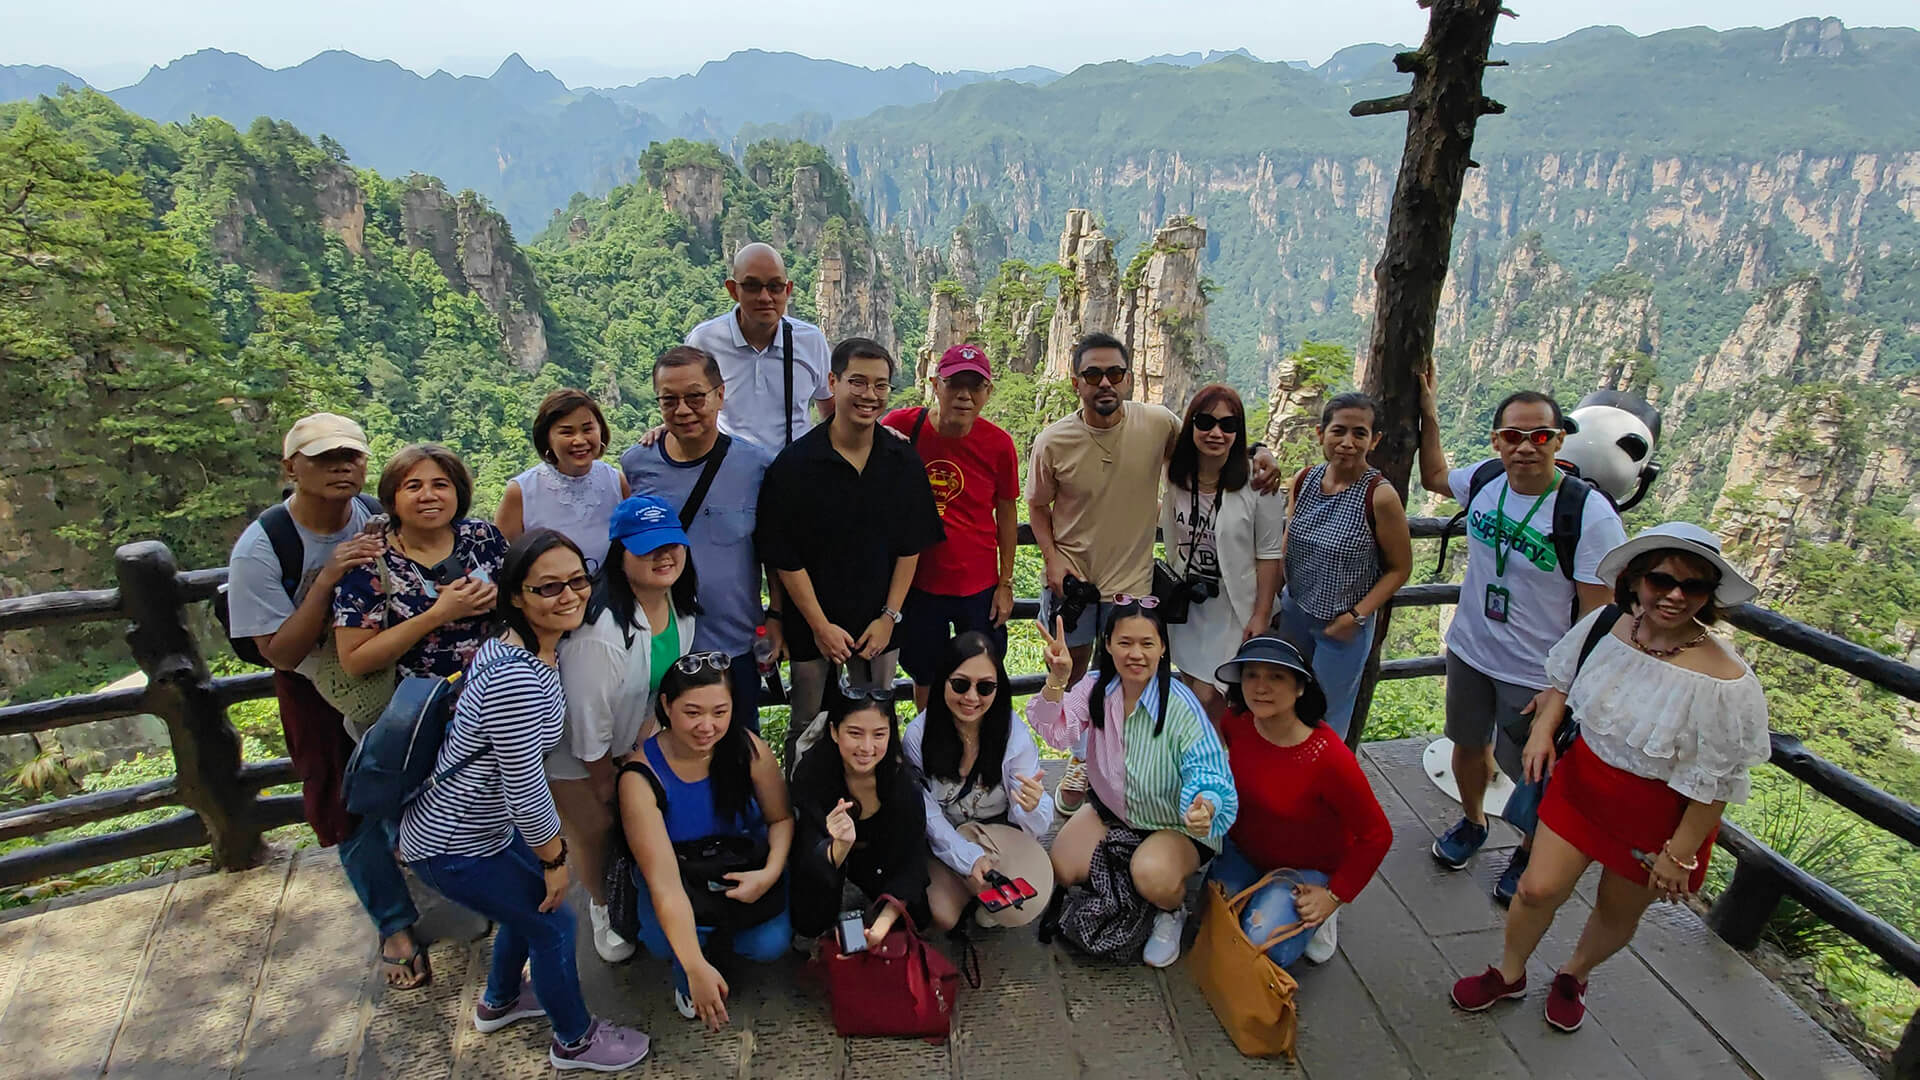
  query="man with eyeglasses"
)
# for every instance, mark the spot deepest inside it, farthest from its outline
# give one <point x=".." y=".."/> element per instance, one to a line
<point x="843" y="518"/>
<point x="964" y="582"/>
<point x="715" y="480"/>
<point x="1535" y="538"/>
<point x="773" y="364"/>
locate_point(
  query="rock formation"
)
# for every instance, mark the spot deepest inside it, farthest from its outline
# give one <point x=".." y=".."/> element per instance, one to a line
<point x="1089" y="297"/>
<point x="952" y="319"/>
<point x="852" y="294"/>
<point x="1163" y="316"/>
<point x="342" y="206"/>
<point x="1294" y="404"/>
<point x="473" y="247"/>
<point x="695" y="191"/>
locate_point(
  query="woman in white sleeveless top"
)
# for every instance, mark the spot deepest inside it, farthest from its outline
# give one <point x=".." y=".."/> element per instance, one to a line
<point x="572" y="491"/>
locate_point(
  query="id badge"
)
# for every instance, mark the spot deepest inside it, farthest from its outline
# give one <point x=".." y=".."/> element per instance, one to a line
<point x="1497" y="600"/>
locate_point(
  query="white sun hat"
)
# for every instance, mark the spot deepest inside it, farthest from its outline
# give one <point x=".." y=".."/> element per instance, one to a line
<point x="1683" y="536"/>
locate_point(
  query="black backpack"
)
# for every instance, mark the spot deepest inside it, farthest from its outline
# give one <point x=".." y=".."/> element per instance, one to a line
<point x="1569" y="511"/>
<point x="291" y="552"/>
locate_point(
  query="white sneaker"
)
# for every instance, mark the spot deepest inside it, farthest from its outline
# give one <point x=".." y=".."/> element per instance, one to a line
<point x="1325" y="940"/>
<point x="683" y="1004"/>
<point x="611" y="946"/>
<point x="1163" y="948"/>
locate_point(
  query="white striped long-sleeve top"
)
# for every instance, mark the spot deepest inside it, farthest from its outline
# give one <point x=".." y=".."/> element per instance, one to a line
<point x="514" y="709"/>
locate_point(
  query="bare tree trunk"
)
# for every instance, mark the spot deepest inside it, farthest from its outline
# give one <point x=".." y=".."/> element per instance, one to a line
<point x="1442" y="109"/>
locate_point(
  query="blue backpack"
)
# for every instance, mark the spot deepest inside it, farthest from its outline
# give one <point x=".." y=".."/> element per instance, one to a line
<point x="394" y="762"/>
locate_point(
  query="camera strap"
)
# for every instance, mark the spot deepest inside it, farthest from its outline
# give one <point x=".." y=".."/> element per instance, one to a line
<point x="1193" y="525"/>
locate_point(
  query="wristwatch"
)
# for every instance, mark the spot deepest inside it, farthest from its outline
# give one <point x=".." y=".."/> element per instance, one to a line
<point x="892" y="614"/>
<point x="774" y="614"/>
<point x="1359" y="618"/>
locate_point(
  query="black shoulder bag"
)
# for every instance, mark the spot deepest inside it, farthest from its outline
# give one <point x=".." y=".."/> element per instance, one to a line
<point x="705" y="864"/>
<point x="786" y="358"/>
<point x="698" y="496"/>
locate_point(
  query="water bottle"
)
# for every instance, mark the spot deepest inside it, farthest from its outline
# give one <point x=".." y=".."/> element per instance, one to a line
<point x="763" y="649"/>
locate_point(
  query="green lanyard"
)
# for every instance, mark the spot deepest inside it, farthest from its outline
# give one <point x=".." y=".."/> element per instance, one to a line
<point x="1501" y="551"/>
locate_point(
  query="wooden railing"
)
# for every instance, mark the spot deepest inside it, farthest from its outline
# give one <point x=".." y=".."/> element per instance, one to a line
<point x="225" y="810"/>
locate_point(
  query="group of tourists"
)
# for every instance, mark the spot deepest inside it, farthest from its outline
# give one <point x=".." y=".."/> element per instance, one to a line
<point x="617" y="629"/>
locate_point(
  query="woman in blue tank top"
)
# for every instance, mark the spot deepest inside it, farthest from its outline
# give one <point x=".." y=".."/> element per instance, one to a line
<point x="708" y="785"/>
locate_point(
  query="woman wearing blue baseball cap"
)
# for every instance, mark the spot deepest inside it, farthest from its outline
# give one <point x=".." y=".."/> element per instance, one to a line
<point x="639" y="621"/>
<point x="1310" y="827"/>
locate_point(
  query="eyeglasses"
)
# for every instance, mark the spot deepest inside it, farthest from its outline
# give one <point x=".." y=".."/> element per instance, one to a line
<point x="968" y="383"/>
<point x="1094" y="376"/>
<point x="863" y="385"/>
<point x="695" y="662"/>
<point x="578" y="583"/>
<point x="882" y="695"/>
<point x="1144" y="603"/>
<point x="772" y="288"/>
<point x="1229" y="424"/>
<point x="1664" y="583"/>
<point x="1513" y="436"/>
<point x="959" y="684"/>
<point x="670" y="403"/>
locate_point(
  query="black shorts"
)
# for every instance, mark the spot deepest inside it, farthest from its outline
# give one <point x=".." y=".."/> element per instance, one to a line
<point x="929" y="621"/>
<point x="1109" y="818"/>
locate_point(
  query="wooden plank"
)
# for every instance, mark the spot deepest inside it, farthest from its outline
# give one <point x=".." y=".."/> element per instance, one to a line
<point x="412" y="1032"/>
<point x="1117" y="1019"/>
<point x="306" y="1018"/>
<point x="1342" y="1033"/>
<point x="515" y="1052"/>
<point x="1011" y="1026"/>
<point x="1410" y="980"/>
<point x="1768" y="1032"/>
<point x="19" y="932"/>
<point x="790" y="1028"/>
<point x="1444" y="901"/>
<point x="1399" y="763"/>
<point x="69" y="1001"/>
<point x="1590" y="1053"/>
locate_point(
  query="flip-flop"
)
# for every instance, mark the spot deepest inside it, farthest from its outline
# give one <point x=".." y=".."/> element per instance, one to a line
<point x="424" y="973"/>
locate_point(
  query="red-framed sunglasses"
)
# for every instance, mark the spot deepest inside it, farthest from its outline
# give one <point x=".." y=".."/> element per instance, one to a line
<point x="1513" y="436"/>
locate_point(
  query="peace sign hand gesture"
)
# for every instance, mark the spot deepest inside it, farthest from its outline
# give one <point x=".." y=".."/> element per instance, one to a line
<point x="1199" y="817"/>
<point x="1058" y="657"/>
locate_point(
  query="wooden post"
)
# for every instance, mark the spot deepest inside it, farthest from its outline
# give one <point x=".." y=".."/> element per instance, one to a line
<point x="1906" y="1057"/>
<point x="1442" y="109"/>
<point x="206" y="749"/>
<point x="1741" y="911"/>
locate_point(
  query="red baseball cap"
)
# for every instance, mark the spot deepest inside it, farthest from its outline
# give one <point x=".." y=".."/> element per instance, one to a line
<point x="962" y="358"/>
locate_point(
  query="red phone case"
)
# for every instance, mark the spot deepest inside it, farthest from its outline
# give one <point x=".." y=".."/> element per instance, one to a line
<point x="993" y="899"/>
<point x="1024" y="888"/>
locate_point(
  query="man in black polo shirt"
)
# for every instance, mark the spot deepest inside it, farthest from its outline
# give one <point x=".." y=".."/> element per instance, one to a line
<point x="843" y="517"/>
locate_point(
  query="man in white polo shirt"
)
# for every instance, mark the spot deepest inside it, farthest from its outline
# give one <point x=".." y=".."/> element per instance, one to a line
<point x="772" y="364"/>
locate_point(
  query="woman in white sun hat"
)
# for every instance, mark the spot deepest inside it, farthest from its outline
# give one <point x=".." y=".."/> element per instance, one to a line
<point x="1670" y="721"/>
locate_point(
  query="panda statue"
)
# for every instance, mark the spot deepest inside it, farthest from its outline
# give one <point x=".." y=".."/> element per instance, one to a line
<point x="1611" y="437"/>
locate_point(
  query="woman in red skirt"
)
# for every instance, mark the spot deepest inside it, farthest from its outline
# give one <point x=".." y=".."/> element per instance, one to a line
<point x="1671" y="719"/>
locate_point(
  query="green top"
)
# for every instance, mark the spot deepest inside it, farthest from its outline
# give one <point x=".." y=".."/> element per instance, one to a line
<point x="665" y="650"/>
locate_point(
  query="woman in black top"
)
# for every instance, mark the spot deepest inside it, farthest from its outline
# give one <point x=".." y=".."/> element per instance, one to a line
<point x="861" y="819"/>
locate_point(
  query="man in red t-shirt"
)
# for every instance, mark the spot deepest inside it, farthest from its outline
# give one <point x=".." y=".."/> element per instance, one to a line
<point x="965" y="582"/>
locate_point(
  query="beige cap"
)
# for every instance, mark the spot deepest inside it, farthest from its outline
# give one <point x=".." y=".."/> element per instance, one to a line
<point x="315" y="435"/>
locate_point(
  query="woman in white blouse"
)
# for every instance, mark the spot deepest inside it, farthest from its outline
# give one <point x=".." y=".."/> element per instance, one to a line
<point x="987" y="807"/>
<point x="640" y="620"/>
<point x="1670" y="721"/>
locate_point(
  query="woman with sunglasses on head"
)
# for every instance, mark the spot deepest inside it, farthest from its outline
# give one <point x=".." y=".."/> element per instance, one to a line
<point x="640" y="620"/>
<point x="426" y="603"/>
<point x="862" y="819"/>
<point x="485" y="833"/>
<point x="987" y="807"/>
<point x="703" y="783"/>
<point x="1154" y="763"/>
<point x="1223" y="541"/>
<point x="1347" y="549"/>
<point x="572" y="490"/>
<point x="1671" y="720"/>
<point x="1307" y="812"/>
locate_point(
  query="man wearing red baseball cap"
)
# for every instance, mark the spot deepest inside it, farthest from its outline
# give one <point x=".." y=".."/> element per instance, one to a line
<point x="965" y="582"/>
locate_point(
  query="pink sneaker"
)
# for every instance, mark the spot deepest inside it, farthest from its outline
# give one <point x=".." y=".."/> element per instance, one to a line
<point x="488" y="1019"/>
<point x="1567" y="1002"/>
<point x="607" y="1048"/>
<point x="1477" y="992"/>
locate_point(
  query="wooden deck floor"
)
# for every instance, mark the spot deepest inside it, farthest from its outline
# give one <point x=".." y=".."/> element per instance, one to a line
<point x="269" y="974"/>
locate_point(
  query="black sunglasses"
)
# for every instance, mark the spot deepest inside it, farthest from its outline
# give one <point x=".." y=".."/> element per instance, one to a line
<point x="959" y="684"/>
<point x="1229" y="424"/>
<point x="1093" y="376"/>
<point x="1664" y="583"/>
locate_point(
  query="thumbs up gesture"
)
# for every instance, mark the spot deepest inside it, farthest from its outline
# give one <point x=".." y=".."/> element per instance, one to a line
<point x="1200" y="817"/>
<point x="1029" y="792"/>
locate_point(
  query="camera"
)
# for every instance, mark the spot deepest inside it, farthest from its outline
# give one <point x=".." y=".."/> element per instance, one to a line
<point x="1076" y="596"/>
<point x="853" y="932"/>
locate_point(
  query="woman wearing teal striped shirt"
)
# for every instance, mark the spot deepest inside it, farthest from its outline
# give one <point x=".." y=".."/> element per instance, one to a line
<point x="1154" y="763"/>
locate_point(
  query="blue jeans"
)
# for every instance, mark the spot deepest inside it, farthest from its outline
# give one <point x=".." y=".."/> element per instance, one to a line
<point x="762" y="944"/>
<point x="1271" y="907"/>
<point x="508" y="888"/>
<point x="1337" y="664"/>
<point x="374" y="872"/>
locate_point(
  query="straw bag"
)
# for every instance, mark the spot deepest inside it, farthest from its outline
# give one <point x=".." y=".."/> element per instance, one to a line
<point x="1250" y="994"/>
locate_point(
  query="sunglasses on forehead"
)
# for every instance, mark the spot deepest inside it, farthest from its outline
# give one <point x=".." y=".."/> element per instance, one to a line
<point x="1513" y="436"/>
<point x="1144" y="603"/>
<point x="879" y="695"/>
<point x="696" y="662"/>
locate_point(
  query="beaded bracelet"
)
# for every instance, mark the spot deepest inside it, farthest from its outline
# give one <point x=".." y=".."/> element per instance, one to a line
<point x="1689" y="866"/>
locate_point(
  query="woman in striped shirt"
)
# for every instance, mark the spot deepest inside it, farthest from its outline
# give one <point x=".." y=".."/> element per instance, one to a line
<point x="486" y="834"/>
<point x="1154" y="763"/>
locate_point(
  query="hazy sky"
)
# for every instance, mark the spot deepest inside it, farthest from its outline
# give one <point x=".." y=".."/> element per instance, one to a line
<point x="601" y="42"/>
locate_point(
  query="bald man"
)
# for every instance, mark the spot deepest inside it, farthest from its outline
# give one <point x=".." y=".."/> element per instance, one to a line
<point x="772" y="364"/>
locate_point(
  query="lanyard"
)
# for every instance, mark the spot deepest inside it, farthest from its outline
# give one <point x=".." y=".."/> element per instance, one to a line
<point x="1501" y="551"/>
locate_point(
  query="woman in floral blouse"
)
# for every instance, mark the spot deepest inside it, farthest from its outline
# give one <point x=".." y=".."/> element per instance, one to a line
<point x="426" y="604"/>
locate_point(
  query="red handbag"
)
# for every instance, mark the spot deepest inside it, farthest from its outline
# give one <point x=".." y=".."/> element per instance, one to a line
<point x="902" y="986"/>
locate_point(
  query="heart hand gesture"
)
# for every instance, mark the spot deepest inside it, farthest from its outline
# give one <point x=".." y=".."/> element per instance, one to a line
<point x="840" y="823"/>
<point x="1029" y="792"/>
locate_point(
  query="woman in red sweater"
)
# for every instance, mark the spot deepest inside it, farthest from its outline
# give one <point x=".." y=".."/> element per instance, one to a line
<point x="1306" y="810"/>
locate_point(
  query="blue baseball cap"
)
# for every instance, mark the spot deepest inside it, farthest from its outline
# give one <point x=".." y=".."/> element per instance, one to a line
<point x="643" y="524"/>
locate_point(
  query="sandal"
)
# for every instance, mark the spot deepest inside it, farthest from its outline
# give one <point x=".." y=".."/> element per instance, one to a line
<point x="410" y="972"/>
